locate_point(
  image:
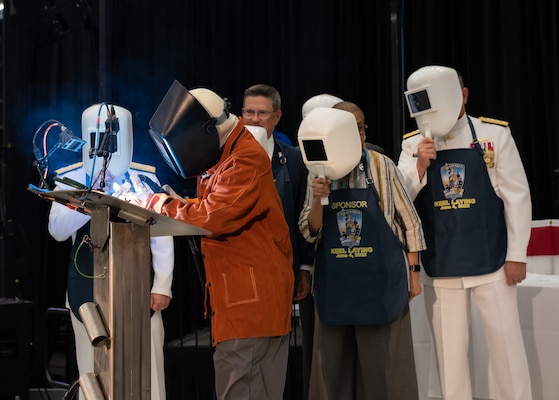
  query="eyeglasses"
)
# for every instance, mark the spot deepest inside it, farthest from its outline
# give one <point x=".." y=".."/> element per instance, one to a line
<point x="262" y="114"/>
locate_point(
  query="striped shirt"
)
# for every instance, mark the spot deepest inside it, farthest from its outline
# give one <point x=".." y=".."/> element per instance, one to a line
<point x="395" y="203"/>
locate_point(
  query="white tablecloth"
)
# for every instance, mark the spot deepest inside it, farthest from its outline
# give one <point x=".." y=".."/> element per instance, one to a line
<point x="538" y="304"/>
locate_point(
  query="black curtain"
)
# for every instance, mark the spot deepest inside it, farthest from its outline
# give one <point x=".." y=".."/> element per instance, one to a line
<point x="506" y="51"/>
<point x="507" y="54"/>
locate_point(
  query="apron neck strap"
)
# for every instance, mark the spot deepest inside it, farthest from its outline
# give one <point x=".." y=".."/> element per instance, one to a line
<point x="474" y="136"/>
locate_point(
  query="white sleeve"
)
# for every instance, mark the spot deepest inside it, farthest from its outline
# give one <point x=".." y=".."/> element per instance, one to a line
<point x="162" y="255"/>
<point x="163" y="261"/>
<point x="65" y="222"/>
<point x="407" y="164"/>
<point x="511" y="185"/>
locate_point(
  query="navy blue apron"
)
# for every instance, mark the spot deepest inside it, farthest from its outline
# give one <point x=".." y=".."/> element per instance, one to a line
<point x="360" y="268"/>
<point x="463" y="218"/>
<point x="80" y="273"/>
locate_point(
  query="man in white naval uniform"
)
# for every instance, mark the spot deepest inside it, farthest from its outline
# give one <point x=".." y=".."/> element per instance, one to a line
<point x="65" y="223"/>
<point x="471" y="191"/>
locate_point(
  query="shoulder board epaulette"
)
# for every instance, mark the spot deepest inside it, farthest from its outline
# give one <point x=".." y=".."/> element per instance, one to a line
<point x="411" y="134"/>
<point x="494" y="121"/>
<point x="142" y="167"/>
<point x="68" y="168"/>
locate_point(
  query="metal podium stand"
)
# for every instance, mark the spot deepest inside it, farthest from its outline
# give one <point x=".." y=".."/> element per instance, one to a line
<point x="120" y="234"/>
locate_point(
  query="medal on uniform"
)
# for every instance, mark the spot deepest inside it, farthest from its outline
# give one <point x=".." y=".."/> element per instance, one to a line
<point x="489" y="157"/>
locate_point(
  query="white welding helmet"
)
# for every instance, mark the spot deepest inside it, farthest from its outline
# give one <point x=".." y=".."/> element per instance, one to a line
<point x="108" y="132"/>
<point x="218" y="108"/>
<point x="320" y="100"/>
<point x="259" y="133"/>
<point x="434" y="98"/>
<point x="330" y="142"/>
<point x="190" y="127"/>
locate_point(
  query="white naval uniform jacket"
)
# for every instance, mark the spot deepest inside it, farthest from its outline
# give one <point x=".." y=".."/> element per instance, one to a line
<point x="507" y="177"/>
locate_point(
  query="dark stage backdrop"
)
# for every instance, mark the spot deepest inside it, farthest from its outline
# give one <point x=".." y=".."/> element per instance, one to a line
<point x="128" y="53"/>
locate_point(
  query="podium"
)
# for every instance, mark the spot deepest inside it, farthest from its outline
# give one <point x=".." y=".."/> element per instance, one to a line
<point x="120" y="241"/>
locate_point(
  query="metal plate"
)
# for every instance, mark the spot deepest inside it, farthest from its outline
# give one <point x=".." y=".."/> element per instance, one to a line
<point x="84" y="202"/>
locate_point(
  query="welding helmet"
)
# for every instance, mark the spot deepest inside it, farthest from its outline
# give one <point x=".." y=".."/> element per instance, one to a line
<point x="434" y="98"/>
<point x="320" y="100"/>
<point x="259" y="133"/>
<point x="330" y="142"/>
<point x="189" y="128"/>
<point x="107" y="131"/>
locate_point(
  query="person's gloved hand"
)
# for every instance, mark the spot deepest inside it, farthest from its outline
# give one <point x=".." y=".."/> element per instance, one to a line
<point x="156" y="201"/>
<point x="133" y="198"/>
<point x="171" y="192"/>
<point x="153" y="202"/>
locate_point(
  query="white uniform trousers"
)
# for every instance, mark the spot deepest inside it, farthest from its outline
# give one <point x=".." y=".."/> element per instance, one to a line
<point x="449" y="312"/>
<point x="85" y="357"/>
